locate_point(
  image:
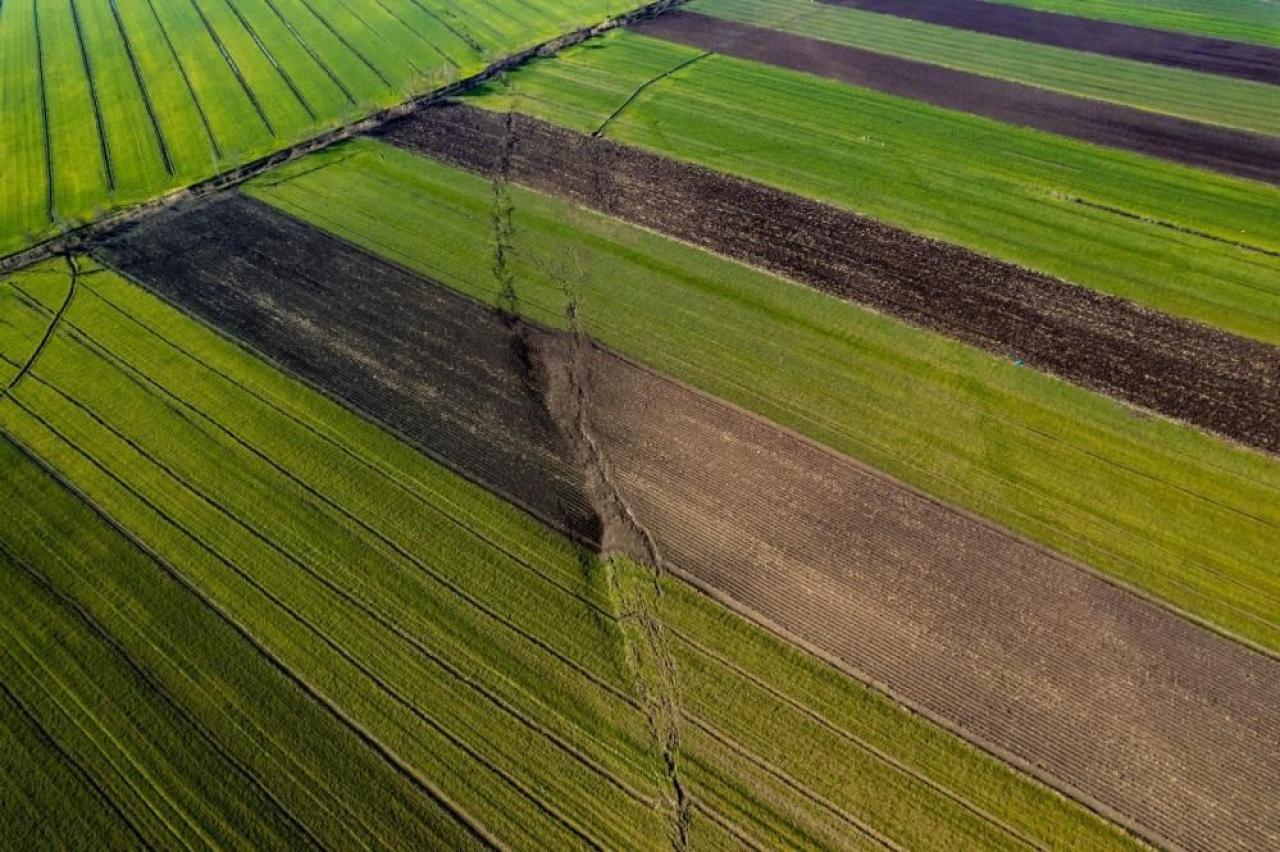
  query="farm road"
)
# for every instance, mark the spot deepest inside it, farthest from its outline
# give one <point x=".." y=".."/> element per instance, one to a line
<point x="1235" y="152"/>
<point x="1159" y="47"/>
<point x="1207" y="378"/>
<point x="1094" y="689"/>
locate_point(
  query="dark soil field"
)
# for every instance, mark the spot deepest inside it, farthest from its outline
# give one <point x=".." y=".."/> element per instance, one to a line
<point x="1180" y="50"/>
<point x="1178" y="368"/>
<point x="1103" y="694"/>
<point x="367" y="334"/>
<point x="1234" y="152"/>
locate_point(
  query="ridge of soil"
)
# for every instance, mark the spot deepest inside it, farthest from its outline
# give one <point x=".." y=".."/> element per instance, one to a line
<point x="1202" y="376"/>
<point x="1239" y="153"/>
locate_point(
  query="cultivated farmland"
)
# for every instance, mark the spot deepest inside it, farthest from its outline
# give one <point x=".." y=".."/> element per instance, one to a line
<point x="411" y="636"/>
<point x="1056" y="463"/>
<point x="553" y="425"/>
<point x="1201" y="97"/>
<point x="797" y="535"/>
<point x="1176" y="239"/>
<point x="107" y="103"/>
<point x="1063" y="28"/>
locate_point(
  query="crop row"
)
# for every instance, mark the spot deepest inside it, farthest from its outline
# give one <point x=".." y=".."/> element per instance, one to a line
<point x="1202" y="97"/>
<point x="1184" y="241"/>
<point x="451" y="646"/>
<point x="1160" y="506"/>
<point x="106" y="103"/>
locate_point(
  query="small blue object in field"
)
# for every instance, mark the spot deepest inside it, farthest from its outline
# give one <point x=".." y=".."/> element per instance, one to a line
<point x="1017" y="362"/>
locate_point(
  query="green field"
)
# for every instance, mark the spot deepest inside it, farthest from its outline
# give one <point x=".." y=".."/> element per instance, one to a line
<point x="1184" y="241"/>
<point x="1161" y="506"/>
<point x="107" y="103"/>
<point x="1239" y="20"/>
<point x="1173" y="91"/>
<point x="238" y="615"/>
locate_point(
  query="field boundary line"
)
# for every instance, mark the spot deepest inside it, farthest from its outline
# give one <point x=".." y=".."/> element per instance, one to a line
<point x="788" y="781"/>
<point x="1069" y="562"/>
<point x="169" y="398"/>
<point x="76" y="237"/>
<point x="355" y="455"/>
<point x="1050" y="783"/>
<point x="424" y="784"/>
<point x="599" y="131"/>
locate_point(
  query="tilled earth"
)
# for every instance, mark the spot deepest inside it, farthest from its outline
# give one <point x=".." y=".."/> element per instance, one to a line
<point x="1160" y="47"/>
<point x="1202" y="376"/>
<point x="1235" y="152"/>
<point x="333" y="316"/>
<point x="1096" y="690"/>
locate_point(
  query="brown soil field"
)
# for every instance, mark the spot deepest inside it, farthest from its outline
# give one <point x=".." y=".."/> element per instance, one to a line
<point x="1202" y="376"/>
<point x="1160" y="47"/>
<point x="1099" y="692"/>
<point x="1234" y="152"/>
<point x="325" y="312"/>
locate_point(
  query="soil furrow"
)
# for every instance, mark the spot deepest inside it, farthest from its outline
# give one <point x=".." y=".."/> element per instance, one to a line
<point x="1234" y="152"/>
<point x="1159" y="47"/>
<point x="235" y="69"/>
<point x="103" y="147"/>
<point x="186" y="81"/>
<point x="311" y="51"/>
<point x="271" y="58"/>
<point x="76" y="766"/>
<point x="141" y="83"/>
<point x="50" y="211"/>
<point x="347" y="44"/>
<point x="1203" y="376"/>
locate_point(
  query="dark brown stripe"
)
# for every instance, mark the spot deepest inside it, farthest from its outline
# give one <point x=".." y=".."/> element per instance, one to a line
<point x="1159" y="47"/>
<point x="1202" y="376"/>
<point x="237" y="264"/>
<point x="1090" y="687"/>
<point x="1233" y="152"/>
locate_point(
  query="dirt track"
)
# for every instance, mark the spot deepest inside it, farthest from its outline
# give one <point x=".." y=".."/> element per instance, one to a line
<point x="1234" y="152"/>
<point x="295" y="295"/>
<point x="1160" y="47"/>
<point x="1205" y="377"/>
<point x="1099" y="691"/>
